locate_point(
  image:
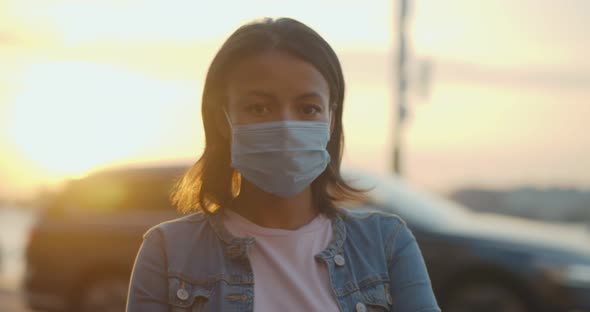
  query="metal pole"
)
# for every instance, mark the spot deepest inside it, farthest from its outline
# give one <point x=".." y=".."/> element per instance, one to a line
<point x="400" y="110"/>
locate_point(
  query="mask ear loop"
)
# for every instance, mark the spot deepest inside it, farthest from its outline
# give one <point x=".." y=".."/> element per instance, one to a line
<point x="227" y="118"/>
<point x="330" y="116"/>
<point x="236" y="181"/>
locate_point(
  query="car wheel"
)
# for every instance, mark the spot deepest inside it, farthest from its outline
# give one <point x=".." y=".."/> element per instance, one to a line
<point x="104" y="295"/>
<point x="484" y="297"/>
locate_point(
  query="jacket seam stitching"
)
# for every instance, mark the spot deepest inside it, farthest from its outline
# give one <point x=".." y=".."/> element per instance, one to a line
<point x="393" y="239"/>
<point x="395" y="258"/>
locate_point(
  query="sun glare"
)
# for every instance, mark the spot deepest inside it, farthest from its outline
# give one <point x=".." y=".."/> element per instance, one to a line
<point x="72" y="116"/>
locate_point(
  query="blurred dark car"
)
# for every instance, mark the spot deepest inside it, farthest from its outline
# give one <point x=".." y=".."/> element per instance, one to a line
<point x="82" y="248"/>
<point x="487" y="262"/>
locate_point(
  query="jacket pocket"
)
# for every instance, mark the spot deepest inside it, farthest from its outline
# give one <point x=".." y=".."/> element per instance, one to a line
<point x="184" y="296"/>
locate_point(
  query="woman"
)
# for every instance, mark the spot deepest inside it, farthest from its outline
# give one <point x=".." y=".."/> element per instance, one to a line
<point x="269" y="235"/>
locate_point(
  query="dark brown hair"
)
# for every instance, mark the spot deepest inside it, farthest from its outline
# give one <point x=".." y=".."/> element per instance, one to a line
<point x="211" y="182"/>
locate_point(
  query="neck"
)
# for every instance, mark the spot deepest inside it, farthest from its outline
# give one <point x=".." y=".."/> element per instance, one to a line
<point x="272" y="211"/>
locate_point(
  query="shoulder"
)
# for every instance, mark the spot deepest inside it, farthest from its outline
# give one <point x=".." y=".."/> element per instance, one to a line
<point x="389" y="228"/>
<point x="385" y="221"/>
<point x="179" y="227"/>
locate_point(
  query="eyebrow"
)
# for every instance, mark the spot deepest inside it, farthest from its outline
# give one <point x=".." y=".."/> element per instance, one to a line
<point x="306" y="95"/>
<point x="260" y="93"/>
<point x="311" y="94"/>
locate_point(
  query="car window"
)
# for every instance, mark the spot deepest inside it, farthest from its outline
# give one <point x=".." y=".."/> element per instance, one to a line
<point x="391" y="194"/>
<point x="110" y="194"/>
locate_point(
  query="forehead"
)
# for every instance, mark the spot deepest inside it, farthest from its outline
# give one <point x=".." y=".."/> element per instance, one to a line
<point x="276" y="71"/>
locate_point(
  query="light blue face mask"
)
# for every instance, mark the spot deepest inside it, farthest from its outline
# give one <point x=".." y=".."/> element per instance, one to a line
<point x="282" y="157"/>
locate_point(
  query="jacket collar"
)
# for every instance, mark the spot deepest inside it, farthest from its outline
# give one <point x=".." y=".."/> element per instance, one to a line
<point x="237" y="247"/>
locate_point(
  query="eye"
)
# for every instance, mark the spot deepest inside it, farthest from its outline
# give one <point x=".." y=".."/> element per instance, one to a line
<point x="258" y="109"/>
<point x="311" y="109"/>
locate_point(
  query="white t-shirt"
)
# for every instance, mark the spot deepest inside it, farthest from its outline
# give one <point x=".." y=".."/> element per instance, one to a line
<point x="287" y="277"/>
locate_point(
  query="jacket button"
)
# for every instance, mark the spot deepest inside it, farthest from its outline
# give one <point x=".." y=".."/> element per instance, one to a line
<point x="339" y="260"/>
<point x="360" y="307"/>
<point x="182" y="294"/>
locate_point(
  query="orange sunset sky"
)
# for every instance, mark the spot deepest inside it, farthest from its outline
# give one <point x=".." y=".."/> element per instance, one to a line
<point x="87" y="84"/>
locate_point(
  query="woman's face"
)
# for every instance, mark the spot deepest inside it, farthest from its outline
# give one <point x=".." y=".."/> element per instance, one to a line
<point x="276" y="86"/>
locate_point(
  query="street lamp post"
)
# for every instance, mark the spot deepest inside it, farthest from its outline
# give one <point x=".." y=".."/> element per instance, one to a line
<point x="400" y="110"/>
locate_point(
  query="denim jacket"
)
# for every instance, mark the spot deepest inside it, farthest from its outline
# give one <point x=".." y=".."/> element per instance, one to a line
<point x="194" y="264"/>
